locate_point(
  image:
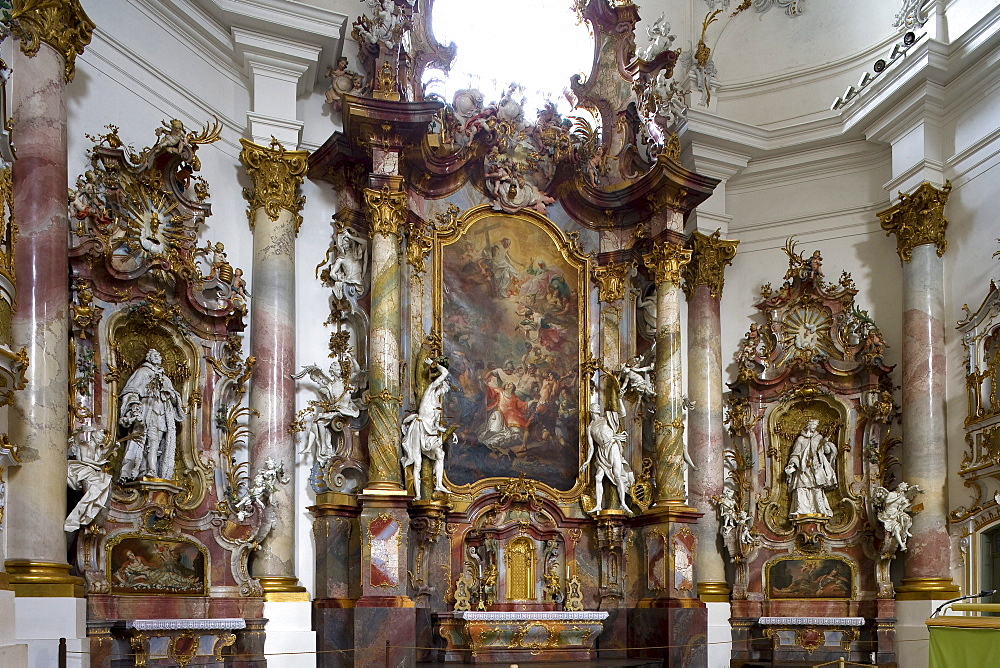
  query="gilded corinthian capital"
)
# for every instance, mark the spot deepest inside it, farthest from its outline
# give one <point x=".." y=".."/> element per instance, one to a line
<point x="709" y="258"/>
<point x="276" y="175"/>
<point x="612" y="279"/>
<point x="666" y="261"/>
<point x="918" y="219"/>
<point x="62" y="24"/>
<point x="386" y="210"/>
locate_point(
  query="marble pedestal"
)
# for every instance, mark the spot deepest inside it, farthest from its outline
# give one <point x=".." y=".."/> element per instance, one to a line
<point x="289" y="639"/>
<point x="675" y="633"/>
<point x="384" y="636"/>
<point x="670" y="622"/>
<point x="384" y="616"/>
<point x="12" y="653"/>
<point x="333" y="620"/>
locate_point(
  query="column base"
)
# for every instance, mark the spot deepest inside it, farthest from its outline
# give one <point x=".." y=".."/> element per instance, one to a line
<point x="720" y="634"/>
<point x="282" y="589"/>
<point x="927" y="589"/>
<point x="12" y="653"/>
<point x="384" y="489"/>
<point x="716" y="592"/>
<point x="43" y="579"/>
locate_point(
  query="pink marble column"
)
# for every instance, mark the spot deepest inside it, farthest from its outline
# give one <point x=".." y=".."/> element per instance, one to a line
<point x="274" y="213"/>
<point x="919" y="224"/>
<point x="704" y="281"/>
<point x="39" y="419"/>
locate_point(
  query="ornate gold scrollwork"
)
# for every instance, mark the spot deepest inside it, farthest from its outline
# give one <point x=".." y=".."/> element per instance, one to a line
<point x="666" y="261"/>
<point x="62" y="24"/>
<point x="612" y="280"/>
<point x="918" y="219"/>
<point x="386" y="210"/>
<point x="276" y="174"/>
<point x="709" y="258"/>
<point x="419" y="243"/>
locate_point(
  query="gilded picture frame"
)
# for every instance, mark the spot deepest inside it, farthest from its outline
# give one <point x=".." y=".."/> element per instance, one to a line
<point x="139" y="564"/>
<point x="814" y="577"/>
<point x="520" y="279"/>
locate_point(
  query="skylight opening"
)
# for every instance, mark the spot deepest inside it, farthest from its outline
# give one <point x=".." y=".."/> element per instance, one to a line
<point x="535" y="43"/>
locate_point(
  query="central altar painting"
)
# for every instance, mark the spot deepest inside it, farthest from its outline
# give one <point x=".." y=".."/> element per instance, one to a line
<point x="512" y="325"/>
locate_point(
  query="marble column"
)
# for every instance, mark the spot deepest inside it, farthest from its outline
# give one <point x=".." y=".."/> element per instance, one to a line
<point x="611" y="281"/>
<point x="50" y="35"/>
<point x="704" y="280"/>
<point x="274" y="217"/>
<point x="385" y="207"/>
<point x="919" y="225"/>
<point x="666" y="261"/>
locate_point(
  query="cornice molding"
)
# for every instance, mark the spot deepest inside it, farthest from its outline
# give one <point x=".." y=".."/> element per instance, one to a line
<point x="941" y="65"/>
<point x="837" y="223"/>
<point x="794" y="78"/>
<point x="189" y="24"/>
<point x="279" y="21"/>
<point x="801" y="166"/>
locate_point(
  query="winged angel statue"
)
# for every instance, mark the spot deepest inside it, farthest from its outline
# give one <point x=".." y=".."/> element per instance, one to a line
<point x="335" y="407"/>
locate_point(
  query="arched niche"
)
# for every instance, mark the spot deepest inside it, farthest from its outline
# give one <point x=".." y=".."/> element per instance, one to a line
<point x="784" y="423"/>
<point x="131" y="334"/>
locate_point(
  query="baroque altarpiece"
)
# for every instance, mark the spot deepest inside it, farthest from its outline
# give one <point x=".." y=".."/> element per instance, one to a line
<point x="504" y="460"/>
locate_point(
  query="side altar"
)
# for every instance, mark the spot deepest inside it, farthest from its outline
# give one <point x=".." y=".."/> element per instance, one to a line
<point x="814" y="511"/>
<point x="163" y="517"/>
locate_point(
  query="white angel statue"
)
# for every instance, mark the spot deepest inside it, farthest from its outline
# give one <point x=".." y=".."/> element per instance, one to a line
<point x="424" y="431"/>
<point x="661" y="39"/>
<point x="335" y="406"/>
<point x="893" y="512"/>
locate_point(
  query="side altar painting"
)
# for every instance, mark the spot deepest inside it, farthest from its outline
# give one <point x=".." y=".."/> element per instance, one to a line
<point x="511" y="318"/>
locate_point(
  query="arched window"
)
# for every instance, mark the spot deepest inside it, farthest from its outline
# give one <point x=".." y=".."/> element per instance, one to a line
<point x="537" y="43"/>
